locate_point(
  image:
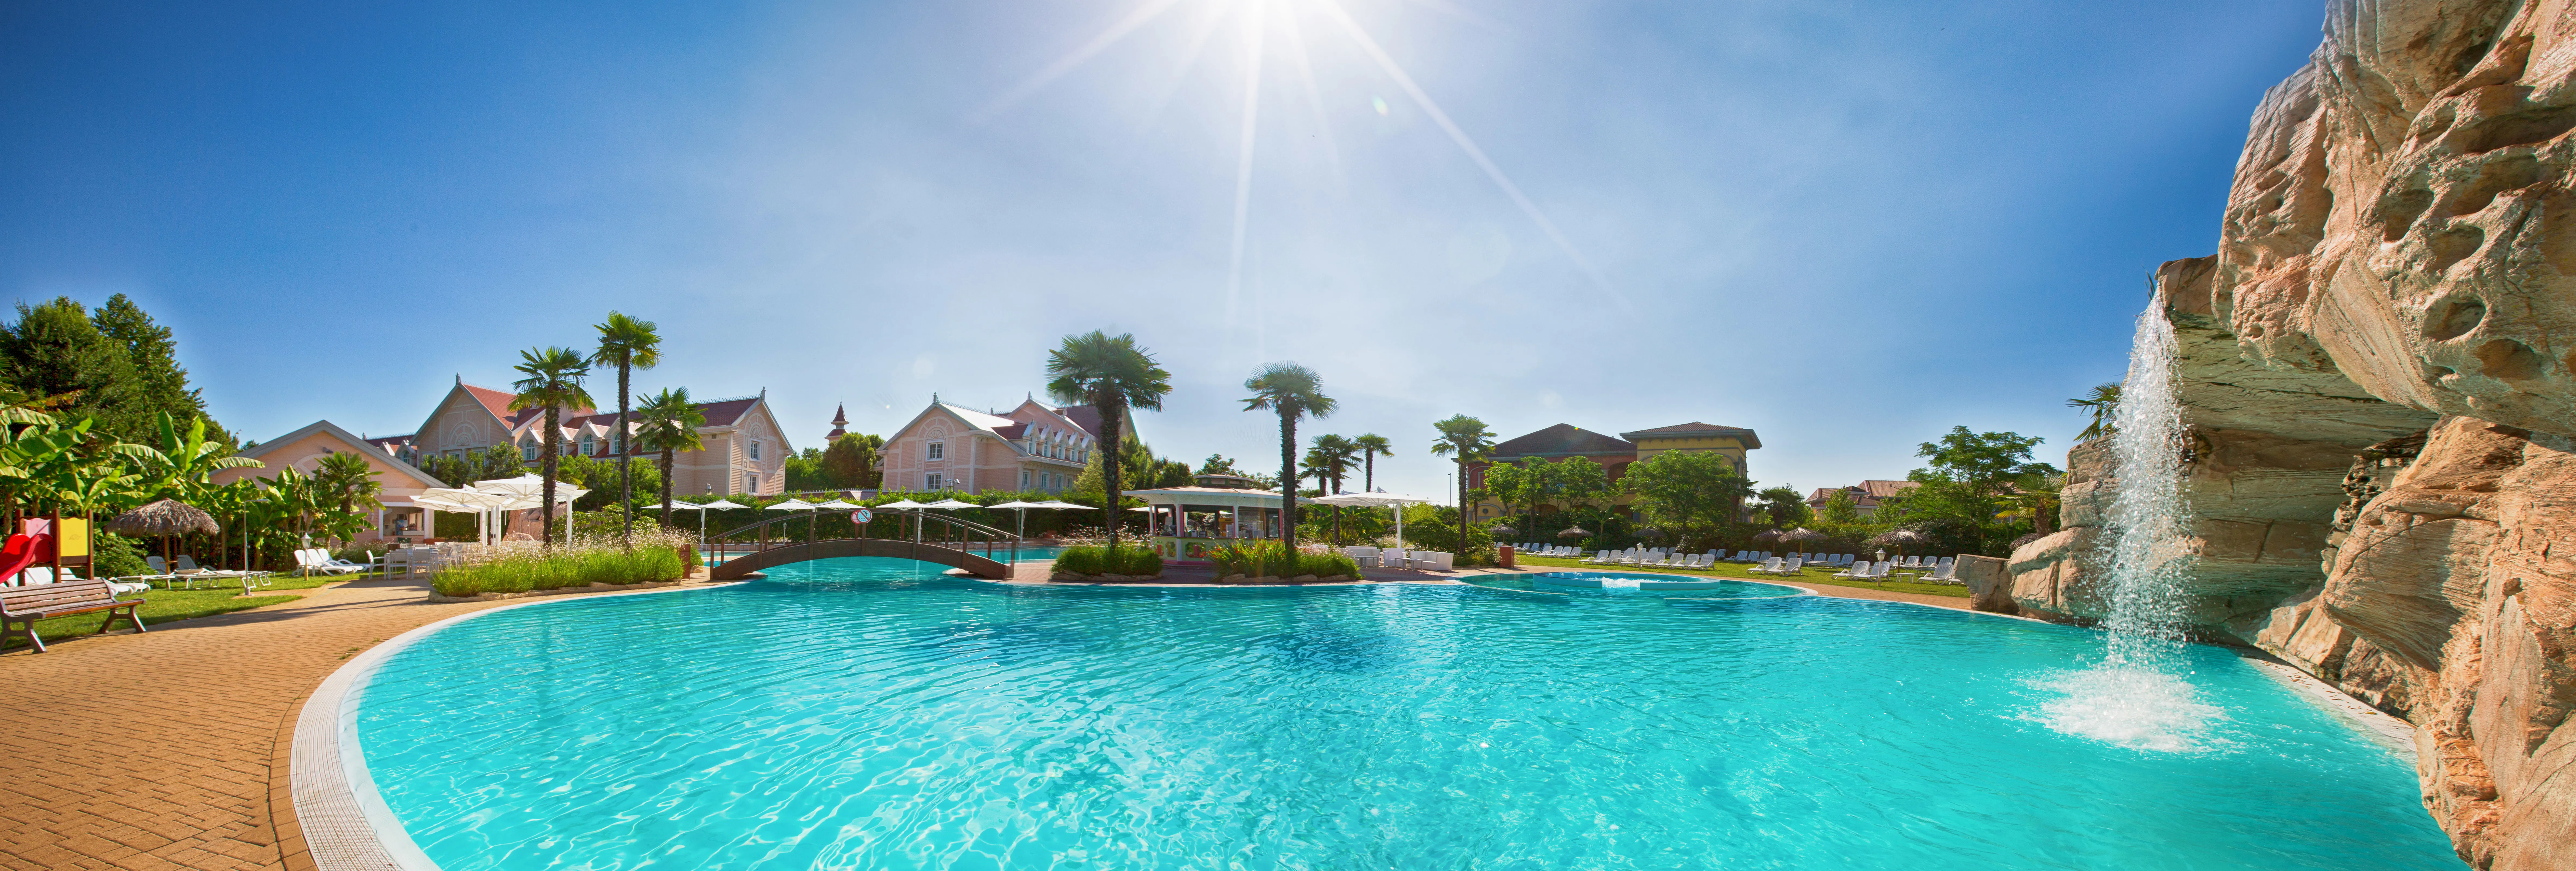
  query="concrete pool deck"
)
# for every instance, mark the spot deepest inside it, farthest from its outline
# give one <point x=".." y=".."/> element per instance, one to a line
<point x="170" y="749"/>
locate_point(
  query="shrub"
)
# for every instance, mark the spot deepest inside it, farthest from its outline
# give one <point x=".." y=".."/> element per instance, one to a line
<point x="1100" y="560"/>
<point x="1272" y="559"/>
<point x="525" y="568"/>
<point x="115" y="556"/>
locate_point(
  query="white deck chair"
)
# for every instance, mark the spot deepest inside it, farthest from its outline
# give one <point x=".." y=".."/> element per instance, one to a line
<point x="1941" y="575"/>
<point x="1769" y="566"/>
<point x="1795" y="563"/>
<point x="1854" y="573"/>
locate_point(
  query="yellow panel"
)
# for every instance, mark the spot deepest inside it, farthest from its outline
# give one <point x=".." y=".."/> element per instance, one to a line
<point x="75" y="538"/>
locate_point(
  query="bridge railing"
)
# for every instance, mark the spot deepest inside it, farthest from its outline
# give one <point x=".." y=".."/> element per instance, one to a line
<point x="958" y="534"/>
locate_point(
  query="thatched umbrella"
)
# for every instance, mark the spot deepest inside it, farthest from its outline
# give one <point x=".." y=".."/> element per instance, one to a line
<point x="1801" y="534"/>
<point x="1766" y="539"/>
<point x="1500" y="530"/>
<point x="1573" y="532"/>
<point x="1900" y="539"/>
<point x="162" y="520"/>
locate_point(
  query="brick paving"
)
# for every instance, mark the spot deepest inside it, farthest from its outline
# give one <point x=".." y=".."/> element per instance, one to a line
<point x="168" y="750"/>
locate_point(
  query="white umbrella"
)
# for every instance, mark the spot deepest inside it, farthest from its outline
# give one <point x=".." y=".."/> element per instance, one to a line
<point x="951" y="505"/>
<point x="1374" y="499"/>
<point x="837" y="505"/>
<point x="795" y="504"/>
<point x="1022" y="509"/>
<point x="915" y="508"/>
<point x="702" y="509"/>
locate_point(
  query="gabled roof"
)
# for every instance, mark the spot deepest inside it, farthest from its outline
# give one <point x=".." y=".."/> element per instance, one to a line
<point x="1695" y="428"/>
<point x="1084" y="416"/>
<point x="356" y="445"/>
<point x="1563" y="440"/>
<point x="495" y="401"/>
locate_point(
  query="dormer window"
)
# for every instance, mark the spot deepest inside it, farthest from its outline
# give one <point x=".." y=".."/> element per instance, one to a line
<point x="528" y="452"/>
<point x="589" y="446"/>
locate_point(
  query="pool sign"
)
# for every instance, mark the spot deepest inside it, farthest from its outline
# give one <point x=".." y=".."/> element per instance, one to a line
<point x="860" y="516"/>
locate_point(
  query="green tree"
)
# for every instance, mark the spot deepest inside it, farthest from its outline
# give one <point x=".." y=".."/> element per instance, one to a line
<point x="1113" y="375"/>
<point x="161" y="384"/>
<point x="1372" y="446"/>
<point x="1218" y="464"/>
<point x="1693" y="492"/>
<point x="851" y="461"/>
<point x="1840" y="510"/>
<point x="55" y="350"/>
<point x="627" y="344"/>
<point x="2104" y="405"/>
<point x="1784" y="507"/>
<point x="1294" y="392"/>
<point x="1988" y="464"/>
<point x="805" y="471"/>
<point x="1465" y="440"/>
<point x="1583" y="483"/>
<point x="345" y="481"/>
<point x="667" y="423"/>
<point x="553" y="383"/>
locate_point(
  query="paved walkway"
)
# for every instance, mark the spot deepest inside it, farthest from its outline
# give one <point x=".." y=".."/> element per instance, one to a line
<point x="167" y="750"/>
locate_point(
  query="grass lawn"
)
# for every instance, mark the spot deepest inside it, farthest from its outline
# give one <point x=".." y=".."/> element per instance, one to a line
<point x="1811" y="575"/>
<point x="163" y="606"/>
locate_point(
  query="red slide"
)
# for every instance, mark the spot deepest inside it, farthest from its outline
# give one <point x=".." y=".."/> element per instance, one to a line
<point x="20" y="552"/>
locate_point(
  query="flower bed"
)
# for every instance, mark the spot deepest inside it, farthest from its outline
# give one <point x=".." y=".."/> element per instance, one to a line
<point x="581" y="564"/>
<point x="1099" y="563"/>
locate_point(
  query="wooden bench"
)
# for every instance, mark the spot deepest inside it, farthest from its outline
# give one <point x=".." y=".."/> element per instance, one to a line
<point x="21" y="607"/>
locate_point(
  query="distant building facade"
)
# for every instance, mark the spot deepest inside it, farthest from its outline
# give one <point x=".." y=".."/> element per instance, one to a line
<point x="1564" y="441"/>
<point x="304" y="450"/>
<point x="1866" y="496"/>
<point x="1032" y="447"/>
<point x="744" y="450"/>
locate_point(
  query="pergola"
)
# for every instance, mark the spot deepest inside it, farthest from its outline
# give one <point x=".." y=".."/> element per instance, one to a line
<point x="1170" y="509"/>
<point x="489" y="500"/>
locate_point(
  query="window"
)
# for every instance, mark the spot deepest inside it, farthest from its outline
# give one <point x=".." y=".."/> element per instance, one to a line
<point x="931" y="483"/>
<point x="617" y="443"/>
<point x="938" y="450"/>
<point x="751" y="482"/>
<point x="755" y="450"/>
<point x="528" y="452"/>
<point x="589" y="446"/>
<point x="1024" y="479"/>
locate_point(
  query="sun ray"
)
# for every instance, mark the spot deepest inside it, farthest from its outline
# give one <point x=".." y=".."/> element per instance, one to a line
<point x="1151" y="10"/>
<point x="1315" y="101"/>
<point x="1254" y="27"/>
<point x="1459" y="136"/>
<point x="1202" y="30"/>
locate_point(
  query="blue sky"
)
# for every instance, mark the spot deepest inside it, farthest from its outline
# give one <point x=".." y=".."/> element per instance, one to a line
<point x="1849" y="226"/>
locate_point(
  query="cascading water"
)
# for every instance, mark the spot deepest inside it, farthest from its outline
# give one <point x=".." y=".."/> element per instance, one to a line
<point x="2139" y="695"/>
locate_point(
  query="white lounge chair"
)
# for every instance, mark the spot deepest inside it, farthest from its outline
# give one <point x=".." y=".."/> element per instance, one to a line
<point x="1362" y="554"/>
<point x="1769" y="566"/>
<point x="319" y="560"/>
<point x="1941" y="574"/>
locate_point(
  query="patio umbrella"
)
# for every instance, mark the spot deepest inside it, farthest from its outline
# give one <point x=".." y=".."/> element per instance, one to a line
<point x="795" y="504"/>
<point x="1801" y="534"/>
<point x="915" y="508"/>
<point x="1573" y="532"/>
<point x="161" y="520"/>
<point x="1499" y="530"/>
<point x="1767" y="537"/>
<point x="1901" y="539"/>
<point x="1021" y="509"/>
<point x="702" y="508"/>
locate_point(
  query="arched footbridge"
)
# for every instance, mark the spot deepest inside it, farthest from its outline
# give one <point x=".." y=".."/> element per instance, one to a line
<point x="982" y="551"/>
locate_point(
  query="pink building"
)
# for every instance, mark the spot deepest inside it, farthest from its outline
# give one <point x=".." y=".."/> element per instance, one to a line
<point x="745" y="450"/>
<point x="952" y="447"/>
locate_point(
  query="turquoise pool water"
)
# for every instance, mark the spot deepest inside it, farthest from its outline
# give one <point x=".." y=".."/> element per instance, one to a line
<point x="873" y="714"/>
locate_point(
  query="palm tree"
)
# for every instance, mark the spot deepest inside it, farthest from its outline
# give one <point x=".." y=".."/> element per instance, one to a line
<point x="1294" y="392"/>
<point x="668" y="423"/>
<point x="2104" y="402"/>
<point x="1371" y="445"/>
<point x="627" y="344"/>
<point x="1467" y="440"/>
<point x="1333" y="455"/>
<point x="1114" y="375"/>
<point x="553" y="382"/>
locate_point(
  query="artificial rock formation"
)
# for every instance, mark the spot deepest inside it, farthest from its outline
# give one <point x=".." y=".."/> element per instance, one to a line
<point x="2379" y="371"/>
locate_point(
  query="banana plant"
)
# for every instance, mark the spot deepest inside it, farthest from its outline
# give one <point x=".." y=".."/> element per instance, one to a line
<point x="188" y="461"/>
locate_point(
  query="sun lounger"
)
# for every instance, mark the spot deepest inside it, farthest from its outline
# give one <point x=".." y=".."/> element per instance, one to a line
<point x="1770" y="566"/>
<point x="319" y="560"/>
<point x="1941" y="574"/>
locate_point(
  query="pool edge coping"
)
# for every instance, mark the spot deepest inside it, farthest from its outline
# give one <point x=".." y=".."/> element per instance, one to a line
<point x="343" y="820"/>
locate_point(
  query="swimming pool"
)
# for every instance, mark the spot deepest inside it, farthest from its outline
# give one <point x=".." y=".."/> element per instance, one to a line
<point x="871" y="713"/>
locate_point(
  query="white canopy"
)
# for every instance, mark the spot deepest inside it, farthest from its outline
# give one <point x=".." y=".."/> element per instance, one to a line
<point x="1355" y="500"/>
<point x="531" y="487"/>
<point x="1019" y="504"/>
<point x="720" y="505"/>
<point x="903" y="503"/>
<point x="951" y="505"/>
<point x="1059" y="503"/>
<point x="837" y="505"/>
<point x="676" y="505"/>
<point x="792" y="505"/>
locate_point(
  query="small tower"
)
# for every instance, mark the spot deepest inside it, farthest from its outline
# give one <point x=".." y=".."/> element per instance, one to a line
<point x="840" y="425"/>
